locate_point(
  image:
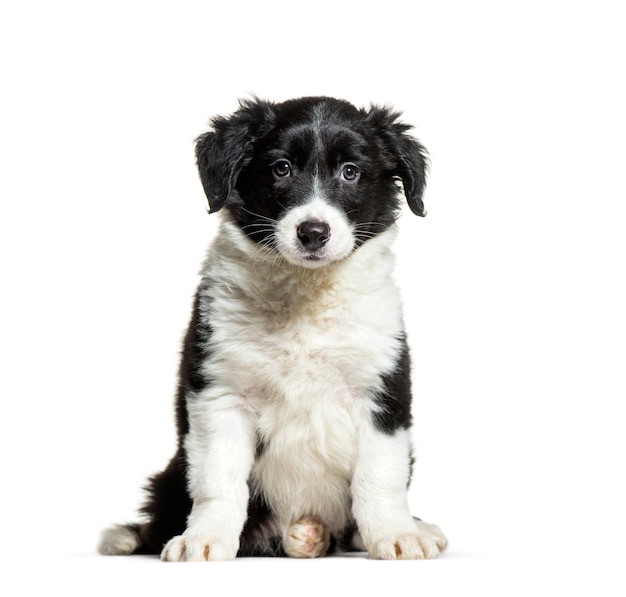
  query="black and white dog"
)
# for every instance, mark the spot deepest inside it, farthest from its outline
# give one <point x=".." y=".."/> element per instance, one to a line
<point x="294" y="402"/>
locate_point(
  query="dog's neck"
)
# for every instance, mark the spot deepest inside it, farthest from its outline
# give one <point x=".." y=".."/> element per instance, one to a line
<point x="271" y="282"/>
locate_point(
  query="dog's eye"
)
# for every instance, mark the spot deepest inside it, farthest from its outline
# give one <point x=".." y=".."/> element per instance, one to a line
<point x="350" y="173"/>
<point x="282" y="169"/>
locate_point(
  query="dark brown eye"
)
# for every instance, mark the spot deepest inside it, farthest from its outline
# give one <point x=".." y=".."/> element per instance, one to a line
<point x="350" y="173"/>
<point x="282" y="169"/>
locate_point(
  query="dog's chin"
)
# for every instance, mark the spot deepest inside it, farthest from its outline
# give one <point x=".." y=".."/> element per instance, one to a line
<point x="310" y="259"/>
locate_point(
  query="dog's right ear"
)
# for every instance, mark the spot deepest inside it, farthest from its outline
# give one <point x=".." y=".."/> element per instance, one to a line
<point x="409" y="158"/>
<point x="222" y="153"/>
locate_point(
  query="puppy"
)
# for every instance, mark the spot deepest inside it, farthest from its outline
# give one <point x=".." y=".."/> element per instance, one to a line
<point x="294" y="402"/>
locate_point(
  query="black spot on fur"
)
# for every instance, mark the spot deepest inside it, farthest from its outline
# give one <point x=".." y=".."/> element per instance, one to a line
<point x="394" y="399"/>
<point x="167" y="506"/>
<point x="343" y="541"/>
<point x="258" y="537"/>
<point x="195" y="347"/>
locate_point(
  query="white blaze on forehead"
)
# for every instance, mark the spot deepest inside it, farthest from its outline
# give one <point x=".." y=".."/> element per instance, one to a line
<point x="318" y="119"/>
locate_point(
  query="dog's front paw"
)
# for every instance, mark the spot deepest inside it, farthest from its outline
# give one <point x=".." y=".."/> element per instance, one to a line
<point x="404" y="547"/>
<point x="424" y="541"/>
<point x="191" y="548"/>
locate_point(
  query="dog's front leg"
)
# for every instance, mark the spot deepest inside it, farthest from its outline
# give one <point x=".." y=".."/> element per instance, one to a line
<point x="220" y="452"/>
<point x="379" y="498"/>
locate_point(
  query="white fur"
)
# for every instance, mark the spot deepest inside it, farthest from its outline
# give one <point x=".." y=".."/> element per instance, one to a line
<point x="297" y="353"/>
<point x="118" y="540"/>
<point x="341" y="240"/>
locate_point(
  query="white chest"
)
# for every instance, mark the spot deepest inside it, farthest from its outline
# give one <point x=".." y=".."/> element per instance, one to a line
<point x="305" y="357"/>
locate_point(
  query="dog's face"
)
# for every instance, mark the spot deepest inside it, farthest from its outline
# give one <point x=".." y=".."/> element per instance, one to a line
<point x="313" y="178"/>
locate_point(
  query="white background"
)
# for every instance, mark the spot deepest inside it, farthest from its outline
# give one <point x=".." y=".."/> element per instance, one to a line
<point x="513" y="284"/>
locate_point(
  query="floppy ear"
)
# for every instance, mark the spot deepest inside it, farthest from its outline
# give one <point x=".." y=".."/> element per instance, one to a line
<point x="221" y="154"/>
<point x="407" y="156"/>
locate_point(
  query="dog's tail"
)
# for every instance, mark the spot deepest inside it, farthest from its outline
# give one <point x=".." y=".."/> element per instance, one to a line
<point x="121" y="540"/>
<point x="165" y="511"/>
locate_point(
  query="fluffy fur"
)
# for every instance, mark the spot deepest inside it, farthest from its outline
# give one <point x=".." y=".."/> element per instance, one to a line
<point x="294" y="401"/>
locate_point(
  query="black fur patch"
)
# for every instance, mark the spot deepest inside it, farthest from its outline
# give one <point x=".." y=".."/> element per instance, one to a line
<point x="167" y="506"/>
<point x="195" y="347"/>
<point x="257" y="538"/>
<point x="394" y="399"/>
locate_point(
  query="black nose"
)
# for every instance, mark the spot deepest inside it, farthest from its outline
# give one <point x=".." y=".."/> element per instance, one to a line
<point x="313" y="235"/>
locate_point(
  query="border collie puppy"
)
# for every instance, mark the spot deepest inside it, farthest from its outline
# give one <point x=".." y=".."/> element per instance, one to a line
<point x="294" y="402"/>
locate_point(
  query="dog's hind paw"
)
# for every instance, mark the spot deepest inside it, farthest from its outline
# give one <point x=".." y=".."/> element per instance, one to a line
<point x="190" y="548"/>
<point x="307" y="538"/>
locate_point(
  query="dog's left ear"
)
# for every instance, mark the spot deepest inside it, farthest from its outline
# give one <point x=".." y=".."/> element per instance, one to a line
<point x="221" y="154"/>
<point x="407" y="156"/>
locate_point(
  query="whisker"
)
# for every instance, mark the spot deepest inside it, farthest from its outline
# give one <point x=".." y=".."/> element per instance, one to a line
<point x="373" y="223"/>
<point x="262" y="223"/>
<point x="256" y="215"/>
<point x="271" y="255"/>
<point x="261" y="230"/>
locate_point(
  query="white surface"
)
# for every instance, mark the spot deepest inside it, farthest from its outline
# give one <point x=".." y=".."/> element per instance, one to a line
<point x="514" y="283"/>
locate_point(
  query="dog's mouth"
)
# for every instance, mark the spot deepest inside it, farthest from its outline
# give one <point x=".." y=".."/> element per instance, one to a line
<point x="308" y="258"/>
<point x="319" y="255"/>
<point x="296" y="254"/>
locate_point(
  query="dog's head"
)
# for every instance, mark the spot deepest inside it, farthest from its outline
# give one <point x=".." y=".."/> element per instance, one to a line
<point x="311" y="178"/>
